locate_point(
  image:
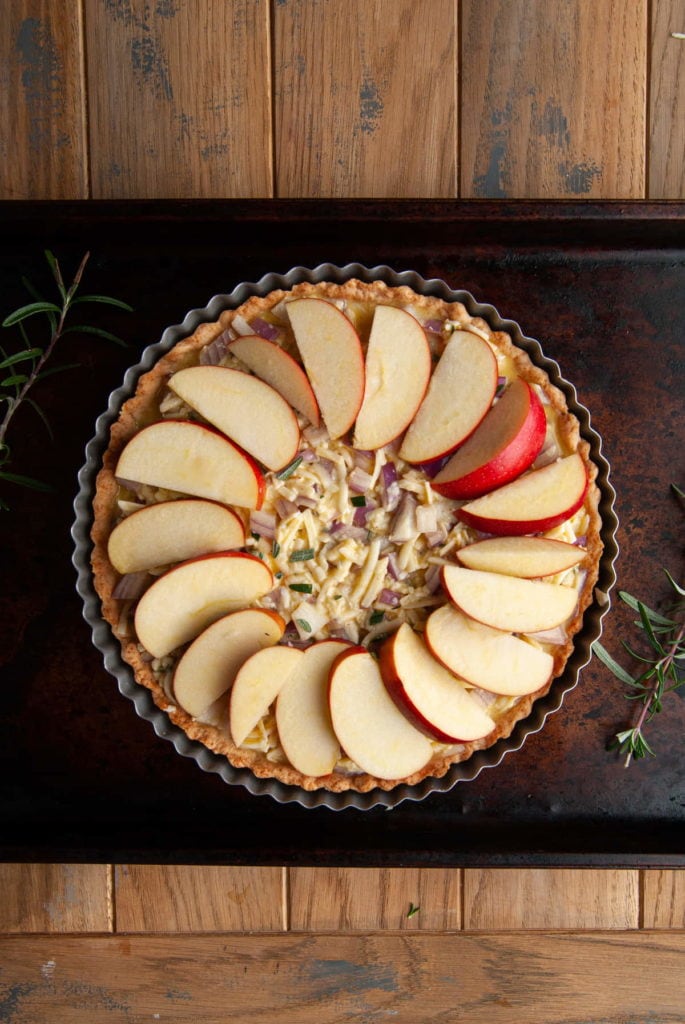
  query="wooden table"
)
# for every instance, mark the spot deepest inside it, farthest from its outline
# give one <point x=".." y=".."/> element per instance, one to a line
<point x="551" y="99"/>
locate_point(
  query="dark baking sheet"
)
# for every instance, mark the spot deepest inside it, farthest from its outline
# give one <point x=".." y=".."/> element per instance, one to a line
<point x="602" y="287"/>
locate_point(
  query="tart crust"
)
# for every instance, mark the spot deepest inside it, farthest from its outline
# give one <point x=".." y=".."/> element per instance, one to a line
<point x="143" y="408"/>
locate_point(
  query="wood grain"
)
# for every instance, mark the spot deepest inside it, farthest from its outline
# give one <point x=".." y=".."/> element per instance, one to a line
<point x="562" y="898"/>
<point x="553" y="98"/>
<point x="362" y="899"/>
<point x="663" y="899"/>
<point x="179" y="98"/>
<point x="152" y="898"/>
<point x="488" y="979"/>
<point x="365" y="97"/>
<point x="55" y="898"/>
<point x="42" y="101"/>
<point x="667" y="102"/>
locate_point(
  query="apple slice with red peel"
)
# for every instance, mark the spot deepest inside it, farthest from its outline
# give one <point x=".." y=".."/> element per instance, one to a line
<point x="507" y="602"/>
<point x="257" y="685"/>
<point x="303" y="717"/>
<point x="459" y="395"/>
<point x="277" y="367"/>
<point x="372" y="731"/>
<point x="434" y="700"/>
<point x="192" y="595"/>
<point x="244" y="408"/>
<point x="207" y="668"/>
<point x="173" y="531"/>
<point x="533" y="503"/>
<point x="504" y="445"/>
<point x="332" y="355"/>
<point x="398" y="368"/>
<point x="489" y="658"/>
<point x="527" y="557"/>
<point x="192" y="458"/>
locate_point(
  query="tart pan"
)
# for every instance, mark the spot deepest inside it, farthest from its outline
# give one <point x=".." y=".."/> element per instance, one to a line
<point x="108" y="645"/>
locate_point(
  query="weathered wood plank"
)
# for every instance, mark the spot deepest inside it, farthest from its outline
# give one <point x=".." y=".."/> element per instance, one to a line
<point x="544" y="979"/>
<point x="663" y="899"/>
<point x="55" y="898"/>
<point x="187" y="898"/>
<point x="42" y="103"/>
<point x="553" y="98"/>
<point x="179" y="98"/>
<point x="362" y="899"/>
<point x="365" y="97"/>
<point x="667" y="101"/>
<point x="561" y="898"/>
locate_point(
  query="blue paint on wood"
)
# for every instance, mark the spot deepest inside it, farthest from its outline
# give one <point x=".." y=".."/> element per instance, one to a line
<point x="578" y="179"/>
<point x="491" y="184"/>
<point x="370" y="106"/>
<point x="334" y="976"/>
<point x="42" y="82"/>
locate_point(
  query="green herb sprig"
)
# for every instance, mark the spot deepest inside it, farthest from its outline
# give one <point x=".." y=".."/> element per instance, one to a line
<point x="662" y="660"/>
<point x="20" y="370"/>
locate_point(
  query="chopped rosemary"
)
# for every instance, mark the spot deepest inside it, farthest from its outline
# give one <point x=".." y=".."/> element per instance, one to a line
<point x="304" y="625"/>
<point x="359" y="501"/>
<point x="303" y="555"/>
<point x="376" y="617"/>
<point x="301" y="588"/>
<point x="289" y="469"/>
<point x="276" y="549"/>
<point x="412" y="910"/>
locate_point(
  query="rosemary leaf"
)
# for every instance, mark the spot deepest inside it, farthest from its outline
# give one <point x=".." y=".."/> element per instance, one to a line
<point x="32" y="309"/>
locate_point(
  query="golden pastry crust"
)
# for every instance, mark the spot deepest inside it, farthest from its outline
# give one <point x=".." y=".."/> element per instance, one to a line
<point x="143" y="407"/>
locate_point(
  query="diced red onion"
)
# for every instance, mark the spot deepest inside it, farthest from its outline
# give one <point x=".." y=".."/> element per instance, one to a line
<point x="389" y="597"/>
<point x="550" y="453"/>
<point x="213" y="353"/>
<point x="348" y="532"/>
<point x="363" y="459"/>
<point x="359" y="480"/>
<point x="432" y="469"/>
<point x="130" y="485"/>
<point x="240" y="325"/>
<point x="581" y="542"/>
<point x="308" y="455"/>
<point x="394" y="570"/>
<point x="304" y="501"/>
<point x="360" y="516"/>
<point x="315" y="435"/>
<point x="263" y="523"/>
<point x="434" y="326"/>
<point x="432" y="578"/>
<point x="264" y="329"/>
<point x="426" y="518"/>
<point x="557" y="635"/>
<point x="484" y="697"/>
<point x="436" y="537"/>
<point x="390" y="488"/>
<point x="403" y="527"/>
<point x="132" y="585"/>
<point x="285" y="508"/>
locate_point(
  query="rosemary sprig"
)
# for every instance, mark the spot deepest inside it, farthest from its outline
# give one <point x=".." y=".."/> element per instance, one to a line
<point x="20" y="370"/>
<point x="662" y="672"/>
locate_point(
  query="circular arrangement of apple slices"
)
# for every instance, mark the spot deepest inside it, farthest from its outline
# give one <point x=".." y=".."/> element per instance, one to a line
<point x="463" y="480"/>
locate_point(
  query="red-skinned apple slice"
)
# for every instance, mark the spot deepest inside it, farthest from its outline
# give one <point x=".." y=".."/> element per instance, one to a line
<point x="398" y="368"/>
<point x="332" y="355"/>
<point x="504" y="445"/>
<point x="277" y="367"/>
<point x="527" y="557"/>
<point x="244" y="408"/>
<point x="489" y="658"/>
<point x="434" y="700"/>
<point x="207" y="668"/>
<point x="193" y="459"/>
<point x="192" y="595"/>
<point x="372" y="731"/>
<point x="303" y="717"/>
<point x="533" y="503"/>
<point x="173" y="531"/>
<point x="507" y="602"/>
<point x="257" y="685"/>
<point x="459" y="395"/>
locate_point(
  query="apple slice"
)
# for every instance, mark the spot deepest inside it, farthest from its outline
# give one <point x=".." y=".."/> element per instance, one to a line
<point x="503" y="446"/>
<point x="207" y="668"/>
<point x="398" y="368"/>
<point x="194" y="459"/>
<point x="372" y="731"/>
<point x="277" y="367"/>
<point x="173" y="531"/>
<point x="257" y="685"/>
<point x="244" y="408"/>
<point x="533" y="503"/>
<point x="332" y="355"/>
<point x="435" y="701"/>
<point x="527" y="557"/>
<point x="303" y="717"/>
<point x="507" y="602"/>
<point x="192" y="595"/>
<point x="486" y="657"/>
<point x="459" y="395"/>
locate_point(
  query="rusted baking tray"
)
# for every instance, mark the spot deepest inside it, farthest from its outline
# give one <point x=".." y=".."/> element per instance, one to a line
<point x="601" y="286"/>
